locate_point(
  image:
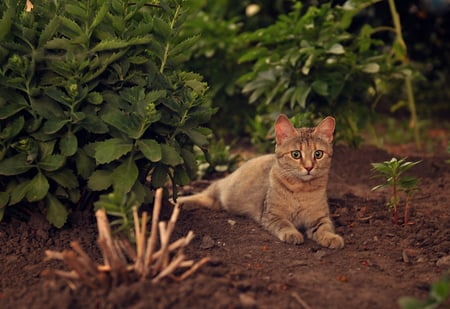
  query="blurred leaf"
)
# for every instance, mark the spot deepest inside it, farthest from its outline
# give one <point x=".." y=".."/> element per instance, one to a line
<point x="56" y="212"/>
<point x="100" y="180"/>
<point x="52" y="163"/>
<point x="170" y="155"/>
<point x="65" y="178"/>
<point x="125" y="175"/>
<point x="38" y="188"/>
<point x="19" y="191"/>
<point x="4" y="199"/>
<point x="68" y="144"/>
<point x="14" y="165"/>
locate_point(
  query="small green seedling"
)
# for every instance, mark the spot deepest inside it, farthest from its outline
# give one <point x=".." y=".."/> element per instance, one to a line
<point x="439" y="293"/>
<point x="392" y="171"/>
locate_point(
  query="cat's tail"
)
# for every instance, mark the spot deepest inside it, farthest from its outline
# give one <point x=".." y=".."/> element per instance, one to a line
<point x="206" y="199"/>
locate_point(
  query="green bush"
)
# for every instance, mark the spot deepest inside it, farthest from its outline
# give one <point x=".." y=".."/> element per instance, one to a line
<point x="309" y="61"/>
<point x="93" y="95"/>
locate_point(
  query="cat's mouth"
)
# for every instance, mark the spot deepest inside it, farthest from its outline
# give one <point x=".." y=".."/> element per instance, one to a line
<point x="306" y="177"/>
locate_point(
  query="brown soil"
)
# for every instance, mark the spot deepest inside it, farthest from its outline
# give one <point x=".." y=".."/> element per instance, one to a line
<point x="380" y="262"/>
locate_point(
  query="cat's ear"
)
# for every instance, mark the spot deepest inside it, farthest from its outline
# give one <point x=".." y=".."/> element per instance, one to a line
<point x="325" y="129"/>
<point x="284" y="129"/>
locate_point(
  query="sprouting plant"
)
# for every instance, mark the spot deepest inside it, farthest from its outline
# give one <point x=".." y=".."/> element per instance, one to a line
<point x="218" y="159"/>
<point x="392" y="171"/>
<point x="120" y="207"/>
<point x="439" y="293"/>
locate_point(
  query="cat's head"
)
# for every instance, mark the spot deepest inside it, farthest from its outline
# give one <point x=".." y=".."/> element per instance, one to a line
<point x="304" y="153"/>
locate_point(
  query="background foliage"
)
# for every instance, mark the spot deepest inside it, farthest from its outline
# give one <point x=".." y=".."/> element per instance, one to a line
<point x="94" y="95"/>
<point x="262" y="47"/>
<point x="111" y="96"/>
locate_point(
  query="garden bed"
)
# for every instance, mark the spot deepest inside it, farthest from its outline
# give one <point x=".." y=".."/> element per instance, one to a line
<point x="380" y="262"/>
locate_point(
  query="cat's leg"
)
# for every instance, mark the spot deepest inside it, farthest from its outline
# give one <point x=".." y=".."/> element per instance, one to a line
<point x="282" y="228"/>
<point x="322" y="231"/>
<point x="198" y="200"/>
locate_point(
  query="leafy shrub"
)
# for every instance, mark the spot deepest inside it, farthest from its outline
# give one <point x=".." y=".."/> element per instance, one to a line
<point x="93" y="95"/>
<point x="309" y="61"/>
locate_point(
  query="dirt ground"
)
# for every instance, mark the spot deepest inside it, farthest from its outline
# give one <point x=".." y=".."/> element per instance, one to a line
<point x="380" y="262"/>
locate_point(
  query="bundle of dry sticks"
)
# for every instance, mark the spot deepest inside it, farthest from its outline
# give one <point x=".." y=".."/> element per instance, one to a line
<point x="122" y="262"/>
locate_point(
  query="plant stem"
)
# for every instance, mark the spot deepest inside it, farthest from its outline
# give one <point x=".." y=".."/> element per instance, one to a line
<point x="395" y="202"/>
<point x="408" y="79"/>
<point x="167" y="47"/>
<point x="406" y="219"/>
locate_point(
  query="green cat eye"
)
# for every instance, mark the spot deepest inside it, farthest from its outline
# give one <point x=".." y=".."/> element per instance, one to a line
<point x="296" y="154"/>
<point x="318" y="154"/>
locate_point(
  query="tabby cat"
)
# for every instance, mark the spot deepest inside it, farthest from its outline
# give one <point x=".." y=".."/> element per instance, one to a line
<point x="285" y="191"/>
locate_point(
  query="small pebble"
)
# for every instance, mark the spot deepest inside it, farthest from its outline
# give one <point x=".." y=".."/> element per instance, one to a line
<point x="444" y="261"/>
<point x="247" y="300"/>
<point x="207" y="242"/>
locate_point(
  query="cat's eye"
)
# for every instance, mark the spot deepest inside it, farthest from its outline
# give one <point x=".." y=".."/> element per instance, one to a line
<point x="318" y="154"/>
<point x="296" y="154"/>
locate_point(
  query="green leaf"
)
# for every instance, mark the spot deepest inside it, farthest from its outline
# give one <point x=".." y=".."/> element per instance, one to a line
<point x="128" y="124"/>
<point x="320" y="87"/>
<point x="170" y="155"/>
<point x="100" y="180"/>
<point x="64" y="178"/>
<point x="48" y="108"/>
<point x="408" y="302"/>
<point x="85" y="165"/>
<point x="52" y="163"/>
<point x="14" y="165"/>
<point x="74" y="195"/>
<point x="70" y="28"/>
<point x="68" y="144"/>
<point x="4" y="199"/>
<point x="159" y="176"/>
<point x="38" y="188"/>
<point x="180" y="176"/>
<point x="56" y="212"/>
<point x="112" y="149"/>
<point x="440" y="290"/>
<point x="197" y="138"/>
<point x="161" y="27"/>
<point x="54" y="125"/>
<point x="101" y="13"/>
<point x="6" y="21"/>
<point x="150" y="149"/>
<point x="12" y="129"/>
<point x="10" y="109"/>
<point x="119" y="44"/>
<point x="49" y="31"/>
<point x="94" y="124"/>
<point x="125" y="175"/>
<point x="19" y="191"/>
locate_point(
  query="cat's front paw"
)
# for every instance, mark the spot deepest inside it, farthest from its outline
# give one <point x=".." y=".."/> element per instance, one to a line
<point x="291" y="236"/>
<point x="331" y="240"/>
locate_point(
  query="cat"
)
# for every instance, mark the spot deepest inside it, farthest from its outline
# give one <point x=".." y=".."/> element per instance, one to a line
<point x="285" y="191"/>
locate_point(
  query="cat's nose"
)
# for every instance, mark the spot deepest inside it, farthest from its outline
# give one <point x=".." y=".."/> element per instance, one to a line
<point x="308" y="168"/>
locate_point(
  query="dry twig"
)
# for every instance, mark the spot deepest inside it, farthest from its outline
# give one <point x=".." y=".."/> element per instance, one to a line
<point x="117" y="254"/>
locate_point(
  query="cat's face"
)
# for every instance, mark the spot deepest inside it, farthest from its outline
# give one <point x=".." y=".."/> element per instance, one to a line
<point x="304" y="153"/>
